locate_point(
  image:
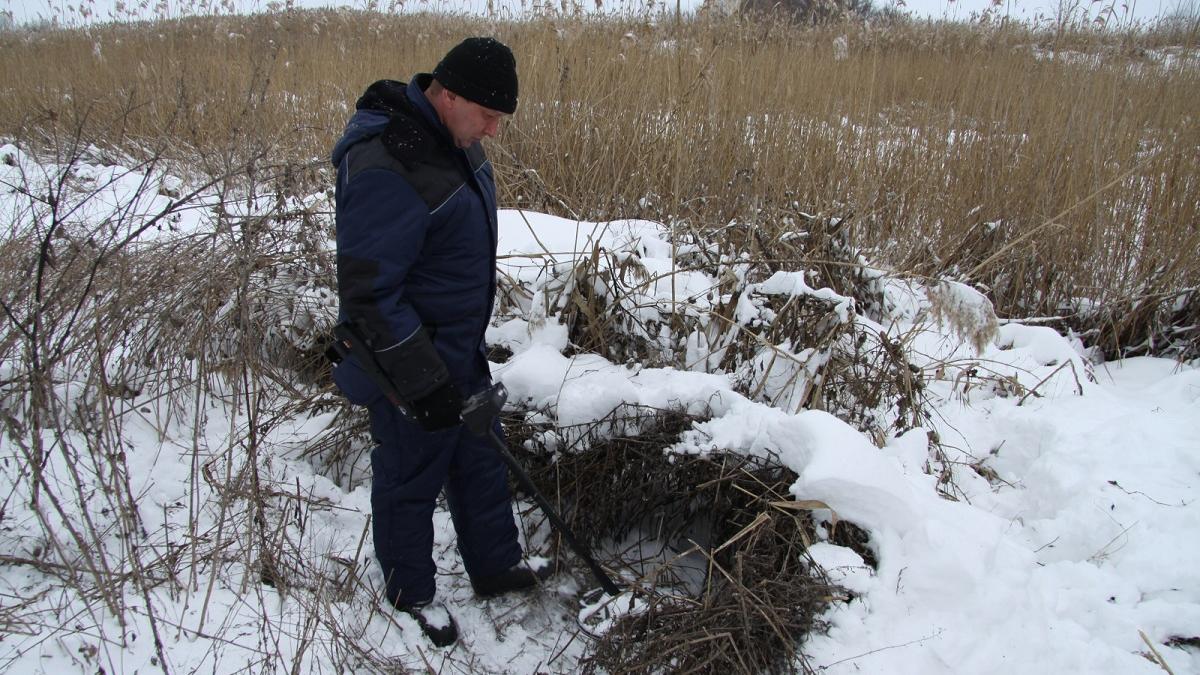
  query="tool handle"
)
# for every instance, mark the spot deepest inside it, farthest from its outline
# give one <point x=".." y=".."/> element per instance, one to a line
<point x="526" y="482"/>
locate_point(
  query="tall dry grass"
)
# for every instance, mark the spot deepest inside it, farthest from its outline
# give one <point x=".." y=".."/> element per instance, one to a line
<point x="1044" y="166"/>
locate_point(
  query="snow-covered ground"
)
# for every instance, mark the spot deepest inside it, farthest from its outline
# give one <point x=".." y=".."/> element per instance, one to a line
<point x="1071" y="544"/>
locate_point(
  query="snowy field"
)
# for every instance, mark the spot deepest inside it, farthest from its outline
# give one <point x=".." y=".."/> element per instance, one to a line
<point x="1070" y="545"/>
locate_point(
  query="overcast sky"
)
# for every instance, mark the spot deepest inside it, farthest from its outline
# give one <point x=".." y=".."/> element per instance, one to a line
<point x="105" y="10"/>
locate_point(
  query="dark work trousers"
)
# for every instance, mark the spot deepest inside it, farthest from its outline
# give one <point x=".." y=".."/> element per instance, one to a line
<point x="410" y="466"/>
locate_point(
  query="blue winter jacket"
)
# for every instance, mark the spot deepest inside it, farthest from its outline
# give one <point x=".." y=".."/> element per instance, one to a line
<point x="416" y="234"/>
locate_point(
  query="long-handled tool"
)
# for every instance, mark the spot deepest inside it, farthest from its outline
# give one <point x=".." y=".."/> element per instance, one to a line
<point x="478" y="415"/>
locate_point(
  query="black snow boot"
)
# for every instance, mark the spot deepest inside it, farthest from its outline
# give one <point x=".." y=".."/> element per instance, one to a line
<point x="526" y="574"/>
<point x="435" y="621"/>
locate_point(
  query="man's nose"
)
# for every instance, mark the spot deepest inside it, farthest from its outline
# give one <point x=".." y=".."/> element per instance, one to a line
<point x="491" y="128"/>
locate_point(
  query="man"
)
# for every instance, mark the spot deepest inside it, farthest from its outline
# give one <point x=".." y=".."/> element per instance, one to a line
<point x="416" y="241"/>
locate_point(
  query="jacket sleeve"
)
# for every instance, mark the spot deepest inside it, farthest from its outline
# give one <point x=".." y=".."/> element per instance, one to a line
<point x="381" y="228"/>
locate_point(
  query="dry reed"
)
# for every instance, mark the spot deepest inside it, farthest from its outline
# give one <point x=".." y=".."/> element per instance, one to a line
<point x="1056" y="170"/>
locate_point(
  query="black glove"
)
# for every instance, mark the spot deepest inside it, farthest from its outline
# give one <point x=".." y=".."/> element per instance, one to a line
<point x="415" y="373"/>
<point x="440" y="409"/>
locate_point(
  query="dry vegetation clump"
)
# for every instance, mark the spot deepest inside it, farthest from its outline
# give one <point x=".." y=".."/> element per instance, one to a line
<point x="761" y="599"/>
<point x="1156" y="324"/>
<point x="616" y="474"/>
<point x="854" y="369"/>
<point x="713" y="543"/>
<point x="792" y="314"/>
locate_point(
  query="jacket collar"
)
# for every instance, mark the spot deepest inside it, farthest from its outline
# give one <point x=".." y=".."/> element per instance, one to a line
<point x="384" y="96"/>
<point x="416" y="95"/>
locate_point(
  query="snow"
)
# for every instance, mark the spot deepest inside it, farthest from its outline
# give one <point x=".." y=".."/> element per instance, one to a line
<point x="1163" y="59"/>
<point x="1071" y="530"/>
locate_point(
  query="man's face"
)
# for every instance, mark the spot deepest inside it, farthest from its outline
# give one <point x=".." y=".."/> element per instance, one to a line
<point x="468" y="121"/>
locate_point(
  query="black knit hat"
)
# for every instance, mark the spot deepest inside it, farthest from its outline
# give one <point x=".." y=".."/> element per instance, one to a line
<point x="483" y="70"/>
